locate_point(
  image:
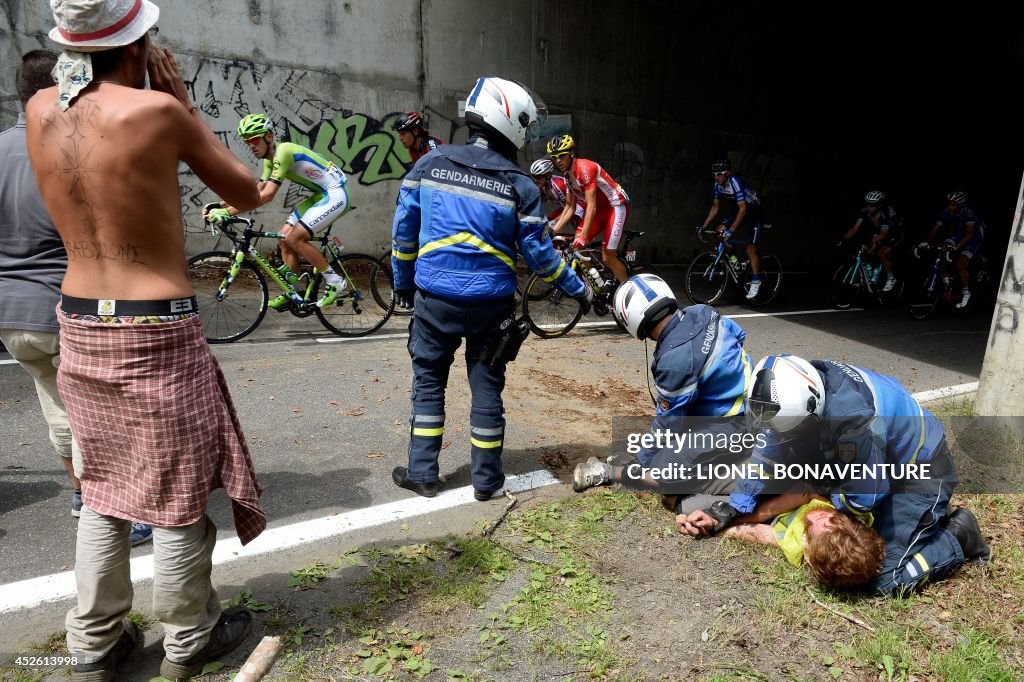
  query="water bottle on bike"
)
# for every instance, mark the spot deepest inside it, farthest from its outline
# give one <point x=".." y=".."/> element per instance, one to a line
<point x="598" y="280"/>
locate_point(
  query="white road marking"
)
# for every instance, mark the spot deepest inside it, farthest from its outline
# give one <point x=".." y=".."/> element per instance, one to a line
<point x="8" y="362"/>
<point x="820" y="311"/>
<point x="371" y="337"/>
<point x="32" y="592"/>
<point x="945" y="392"/>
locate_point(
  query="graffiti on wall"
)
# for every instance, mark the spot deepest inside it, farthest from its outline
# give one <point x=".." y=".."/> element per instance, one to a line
<point x="362" y="145"/>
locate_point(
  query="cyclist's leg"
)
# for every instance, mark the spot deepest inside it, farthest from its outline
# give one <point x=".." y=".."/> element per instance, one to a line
<point x="289" y="255"/>
<point x="314" y="214"/>
<point x="613" y="228"/>
<point x="753" y="237"/>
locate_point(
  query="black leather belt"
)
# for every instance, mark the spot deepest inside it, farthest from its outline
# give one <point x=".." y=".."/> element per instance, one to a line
<point x="115" y="307"/>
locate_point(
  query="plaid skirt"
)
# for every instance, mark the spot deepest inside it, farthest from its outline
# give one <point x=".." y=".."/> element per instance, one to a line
<point x="150" y="409"/>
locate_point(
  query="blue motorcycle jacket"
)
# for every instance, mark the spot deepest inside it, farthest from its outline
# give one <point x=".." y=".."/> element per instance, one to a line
<point x="700" y="369"/>
<point x="464" y="212"/>
<point x="868" y="418"/>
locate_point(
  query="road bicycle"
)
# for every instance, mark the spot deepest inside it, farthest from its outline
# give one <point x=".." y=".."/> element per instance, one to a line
<point x="711" y="272"/>
<point x="551" y="313"/>
<point x="862" y="276"/>
<point x="941" y="286"/>
<point x="231" y="287"/>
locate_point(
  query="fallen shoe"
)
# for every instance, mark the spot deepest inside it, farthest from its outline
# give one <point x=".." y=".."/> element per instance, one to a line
<point x="231" y="628"/>
<point x="963" y="524"/>
<point x="591" y="473"/>
<point x="400" y="475"/>
<point x="103" y="669"/>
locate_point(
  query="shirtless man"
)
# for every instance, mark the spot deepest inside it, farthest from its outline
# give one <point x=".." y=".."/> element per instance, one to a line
<point x="144" y="395"/>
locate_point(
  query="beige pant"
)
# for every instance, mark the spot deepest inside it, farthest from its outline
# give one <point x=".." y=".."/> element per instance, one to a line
<point x="39" y="354"/>
<point x="184" y="599"/>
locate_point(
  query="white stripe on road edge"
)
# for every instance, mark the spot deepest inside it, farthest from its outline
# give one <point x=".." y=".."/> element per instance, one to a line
<point x="731" y="317"/>
<point x="8" y="362"/>
<point x="26" y="594"/>
<point x="370" y="337"/>
<point x="795" y="312"/>
<point x="945" y="392"/>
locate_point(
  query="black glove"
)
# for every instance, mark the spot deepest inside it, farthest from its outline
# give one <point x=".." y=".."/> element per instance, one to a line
<point x="699" y="229"/>
<point x="586" y="298"/>
<point x="405" y="298"/>
<point x="722" y="512"/>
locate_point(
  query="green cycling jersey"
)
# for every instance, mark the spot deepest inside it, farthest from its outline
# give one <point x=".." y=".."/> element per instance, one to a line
<point x="303" y="166"/>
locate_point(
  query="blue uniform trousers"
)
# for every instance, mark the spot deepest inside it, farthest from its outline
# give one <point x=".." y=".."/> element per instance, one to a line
<point x="918" y="548"/>
<point x="435" y="333"/>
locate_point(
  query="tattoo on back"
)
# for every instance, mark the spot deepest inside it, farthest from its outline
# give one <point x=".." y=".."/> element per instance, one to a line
<point x="77" y="138"/>
<point x="86" y="249"/>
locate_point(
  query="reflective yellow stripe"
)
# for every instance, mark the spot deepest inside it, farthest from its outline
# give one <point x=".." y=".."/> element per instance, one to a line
<point x="924" y="429"/>
<point x="418" y="431"/>
<point x="561" y="266"/>
<point x="485" y="443"/>
<point x="467" y="238"/>
<point x="403" y="256"/>
<point x="921" y="562"/>
<point x="735" y="409"/>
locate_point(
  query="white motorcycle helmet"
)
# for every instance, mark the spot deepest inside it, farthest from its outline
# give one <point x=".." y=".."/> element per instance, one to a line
<point x="641" y="302"/>
<point x="785" y="392"/>
<point x="506" y="108"/>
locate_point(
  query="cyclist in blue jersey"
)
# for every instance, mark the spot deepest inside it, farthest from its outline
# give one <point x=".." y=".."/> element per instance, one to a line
<point x="734" y="190"/>
<point x="824" y="411"/>
<point x="700" y="369"/>
<point x="329" y="201"/>
<point x="963" y="229"/>
<point x="875" y="227"/>
<point x="464" y="213"/>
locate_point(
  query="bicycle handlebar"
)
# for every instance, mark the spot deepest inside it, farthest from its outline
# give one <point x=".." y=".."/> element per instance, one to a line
<point x="247" y="232"/>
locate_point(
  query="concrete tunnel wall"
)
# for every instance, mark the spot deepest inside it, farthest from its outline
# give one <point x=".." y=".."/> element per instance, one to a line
<point x="333" y="75"/>
<point x="813" y="107"/>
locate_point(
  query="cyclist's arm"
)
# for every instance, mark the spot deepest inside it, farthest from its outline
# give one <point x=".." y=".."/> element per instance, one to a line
<point x="968" y="236"/>
<point x="711" y="214"/>
<point x="588" y="216"/>
<point x="934" y="231"/>
<point x="267" y="189"/>
<point x="567" y="210"/>
<point x="853" y="230"/>
<point x="741" y="212"/>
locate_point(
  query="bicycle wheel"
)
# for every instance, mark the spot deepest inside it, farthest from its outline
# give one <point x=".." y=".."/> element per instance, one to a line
<point x="706" y="278"/>
<point x="242" y="308"/>
<point x="771" y="280"/>
<point x="366" y="303"/>
<point x="845" y="286"/>
<point x="550" y="312"/>
<point x="924" y="301"/>
<point x="386" y="294"/>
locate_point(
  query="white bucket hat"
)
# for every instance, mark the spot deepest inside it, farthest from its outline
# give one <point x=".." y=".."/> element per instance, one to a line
<point x="95" y="25"/>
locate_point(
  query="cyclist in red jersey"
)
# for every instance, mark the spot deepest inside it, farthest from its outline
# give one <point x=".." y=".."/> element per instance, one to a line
<point x="607" y="203"/>
<point x="554" y="188"/>
<point x="414" y="136"/>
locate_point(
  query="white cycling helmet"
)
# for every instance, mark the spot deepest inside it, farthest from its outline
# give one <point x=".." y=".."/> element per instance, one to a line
<point x="541" y="167"/>
<point x="641" y="302"/>
<point x="874" y="197"/>
<point x="506" y="108"/>
<point x="785" y="392"/>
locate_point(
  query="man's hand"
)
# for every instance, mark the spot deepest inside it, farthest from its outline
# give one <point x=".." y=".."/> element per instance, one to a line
<point x="579" y="242"/>
<point x="696" y="524"/>
<point x="165" y="76"/>
<point x="218" y="216"/>
<point x="586" y="298"/>
<point x="405" y="298"/>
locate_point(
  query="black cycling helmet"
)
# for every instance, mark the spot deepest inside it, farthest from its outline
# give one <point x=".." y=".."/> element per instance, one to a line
<point x="410" y="119"/>
<point x="719" y="165"/>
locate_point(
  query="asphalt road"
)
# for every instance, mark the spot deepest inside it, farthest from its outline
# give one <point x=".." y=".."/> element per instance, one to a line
<point x="326" y="421"/>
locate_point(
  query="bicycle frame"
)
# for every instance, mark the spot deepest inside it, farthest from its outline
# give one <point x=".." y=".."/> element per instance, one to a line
<point x="720" y="252"/>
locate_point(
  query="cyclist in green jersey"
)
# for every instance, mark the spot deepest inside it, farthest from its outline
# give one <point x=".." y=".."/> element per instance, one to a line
<point x="286" y="160"/>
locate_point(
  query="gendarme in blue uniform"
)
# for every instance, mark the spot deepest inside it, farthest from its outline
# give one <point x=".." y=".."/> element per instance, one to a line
<point x="700" y="369"/>
<point x="870" y="418"/>
<point x="464" y="212"/>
